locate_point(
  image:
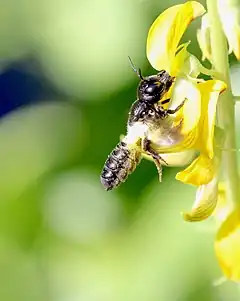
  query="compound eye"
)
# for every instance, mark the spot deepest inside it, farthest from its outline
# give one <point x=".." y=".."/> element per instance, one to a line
<point x="152" y="89"/>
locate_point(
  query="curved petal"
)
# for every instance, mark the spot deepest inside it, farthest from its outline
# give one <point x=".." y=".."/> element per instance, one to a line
<point x="191" y="111"/>
<point x="166" y="32"/>
<point x="205" y="202"/>
<point x="227" y="246"/>
<point x="180" y="59"/>
<point x="210" y="91"/>
<point x="200" y="172"/>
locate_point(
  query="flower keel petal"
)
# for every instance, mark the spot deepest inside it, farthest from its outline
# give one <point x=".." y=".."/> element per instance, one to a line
<point x="205" y="203"/>
<point x="200" y="172"/>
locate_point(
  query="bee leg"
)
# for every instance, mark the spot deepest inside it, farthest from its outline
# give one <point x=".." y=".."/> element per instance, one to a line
<point x="147" y="148"/>
<point x="155" y="156"/>
<point x="173" y="111"/>
<point x="159" y="169"/>
<point x="165" y="101"/>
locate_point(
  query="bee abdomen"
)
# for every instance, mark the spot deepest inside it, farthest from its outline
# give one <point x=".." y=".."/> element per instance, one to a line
<point x="119" y="164"/>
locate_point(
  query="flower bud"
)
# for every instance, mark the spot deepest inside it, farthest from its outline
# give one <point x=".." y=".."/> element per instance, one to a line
<point x="229" y="12"/>
<point x="227" y="246"/>
<point x="203" y="37"/>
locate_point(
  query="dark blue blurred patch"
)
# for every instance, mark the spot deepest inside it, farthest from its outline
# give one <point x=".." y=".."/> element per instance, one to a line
<point x="21" y="84"/>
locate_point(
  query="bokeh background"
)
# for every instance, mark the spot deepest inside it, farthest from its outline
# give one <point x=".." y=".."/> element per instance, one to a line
<point x="65" y="91"/>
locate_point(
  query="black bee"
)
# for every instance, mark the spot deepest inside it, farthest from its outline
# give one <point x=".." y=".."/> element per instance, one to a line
<point x="147" y="124"/>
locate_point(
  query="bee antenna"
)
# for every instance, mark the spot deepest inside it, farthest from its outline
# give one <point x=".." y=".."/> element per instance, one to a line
<point x="138" y="71"/>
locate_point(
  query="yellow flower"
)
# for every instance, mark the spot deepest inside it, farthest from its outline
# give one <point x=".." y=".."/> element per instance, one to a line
<point x="205" y="202"/>
<point x="227" y="246"/>
<point x="229" y="13"/>
<point x="197" y="116"/>
<point x="197" y="130"/>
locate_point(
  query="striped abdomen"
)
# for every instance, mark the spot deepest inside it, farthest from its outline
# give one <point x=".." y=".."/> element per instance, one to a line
<point x="120" y="163"/>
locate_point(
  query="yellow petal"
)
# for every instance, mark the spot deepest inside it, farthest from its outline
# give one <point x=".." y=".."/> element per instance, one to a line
<point x="210" y="91"/>
<point x="180" y="59"/>
<point x="191" y="111"/>
<point x="200" y="172"/>
<point x="205" y="202"/>
<point x="166" y="32"/>
<point x="197" y="116"/>
<point x="186" y="120"/>
<point x="227" y="246"/>
<point x="230" y="17"/>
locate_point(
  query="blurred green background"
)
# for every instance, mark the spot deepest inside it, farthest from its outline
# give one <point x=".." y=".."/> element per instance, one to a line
<point x="65" y="91"/>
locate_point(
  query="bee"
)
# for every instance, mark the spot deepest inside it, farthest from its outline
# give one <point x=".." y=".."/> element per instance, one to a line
<point x="148" y="124"/>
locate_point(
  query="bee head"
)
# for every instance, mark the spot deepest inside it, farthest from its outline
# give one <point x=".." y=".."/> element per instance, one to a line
<point x="152" y="88"/>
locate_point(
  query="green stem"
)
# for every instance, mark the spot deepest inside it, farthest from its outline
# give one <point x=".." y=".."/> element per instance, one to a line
<point x="225" y="110"/>
<point x="236" y="98"/>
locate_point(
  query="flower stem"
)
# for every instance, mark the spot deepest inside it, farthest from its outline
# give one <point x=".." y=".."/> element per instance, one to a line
<point x="225" y="110"/>
<point x="236" y="98"/>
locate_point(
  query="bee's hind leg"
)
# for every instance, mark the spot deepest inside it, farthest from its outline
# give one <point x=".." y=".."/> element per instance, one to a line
<point x="155" y="156"/>
<point x="159" y="169"/>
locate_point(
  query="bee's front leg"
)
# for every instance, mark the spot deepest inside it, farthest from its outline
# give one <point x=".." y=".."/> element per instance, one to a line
<point x="155" y="156"/>
<point x="173" y="111"/>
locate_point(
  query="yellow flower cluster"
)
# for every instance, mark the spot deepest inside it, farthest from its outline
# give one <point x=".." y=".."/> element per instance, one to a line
<point x="199" y="111"/>
<point x="197" y="116"/>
